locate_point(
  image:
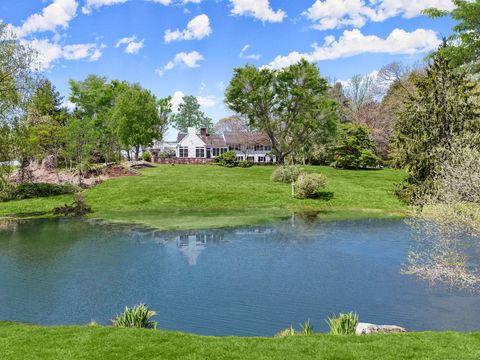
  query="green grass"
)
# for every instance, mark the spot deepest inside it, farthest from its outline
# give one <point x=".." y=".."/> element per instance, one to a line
<point x="188" y="197"/>
<point x="18" y="341"/>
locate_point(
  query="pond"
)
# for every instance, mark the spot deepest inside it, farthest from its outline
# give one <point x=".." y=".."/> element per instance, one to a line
<point x="240" y="281"/>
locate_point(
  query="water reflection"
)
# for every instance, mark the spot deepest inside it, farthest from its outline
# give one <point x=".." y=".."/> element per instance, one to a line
<point x="444" y="256"/>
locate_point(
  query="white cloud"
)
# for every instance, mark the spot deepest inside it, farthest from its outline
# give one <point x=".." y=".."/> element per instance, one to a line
<point x="353" y="42"/>
<point x="49" y="52"/>
<point x="58" y="14"/>
<point x="331" y="14"/>
<point x="133" y="47"/>
<point x="197" y="28"/>
<point x="95" y="4"/>
<point x="190" y="60"/>
<point x="170" y="2"/>
<point x="243" y="54"/>
<point x="204" y="101"/>
<point x="259" y="9"/>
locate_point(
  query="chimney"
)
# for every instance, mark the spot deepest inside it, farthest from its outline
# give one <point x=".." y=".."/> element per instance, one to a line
<point x="203" y="131"/>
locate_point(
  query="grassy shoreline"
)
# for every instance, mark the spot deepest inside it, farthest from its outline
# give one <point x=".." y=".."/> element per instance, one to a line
<point x="77" y="342"/>
<point x="194" y="197"/>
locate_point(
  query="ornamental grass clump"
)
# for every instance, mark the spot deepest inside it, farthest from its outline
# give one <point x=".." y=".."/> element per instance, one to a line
<point x="309" y="186"/>
<point x="286" y="173"/>
<point x="343" y="324"/>
<point x="139" y="316"/>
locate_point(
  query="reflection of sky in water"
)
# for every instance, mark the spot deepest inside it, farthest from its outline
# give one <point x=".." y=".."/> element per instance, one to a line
<point x="245" y="281"/>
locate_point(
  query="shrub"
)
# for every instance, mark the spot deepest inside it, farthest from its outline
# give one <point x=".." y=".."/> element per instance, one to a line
<point x="309" y="185"/>
<point x="139" y="316"/>
<point x="245" y="164"/>
<point x="343" y="324"/>
<point x="146" y="156"/>
<point x="227" y="159"/>
<point x="286" y="173"/>
<point x="355" y="149"/>
<point x="78" y="208"/>
<point x="34" y="190"/>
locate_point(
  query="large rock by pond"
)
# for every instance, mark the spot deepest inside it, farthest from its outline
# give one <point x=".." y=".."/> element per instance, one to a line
<point x="366" y="329"/>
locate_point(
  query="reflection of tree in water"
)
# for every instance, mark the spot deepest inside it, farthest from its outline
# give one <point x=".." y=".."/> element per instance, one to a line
<point x="442" y="254"/>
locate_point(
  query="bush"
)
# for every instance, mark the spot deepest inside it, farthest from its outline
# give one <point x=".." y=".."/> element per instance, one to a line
<point x="307" y="328"/>
<point x="78" y="208"/>
<point x="35" y="190"/>
<point x="146" y="156"/>
<point x="343" y="324"/>
<point x="286" y="174"/>
<point x="139" y="316"/>
<point x="227" y="159"/>
<point x="245" y="164"/>
<point x="309" y="186"/>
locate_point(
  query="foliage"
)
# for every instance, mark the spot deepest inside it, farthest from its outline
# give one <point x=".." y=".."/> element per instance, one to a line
<point x="34" y="190"/>
<point x="139" y="316"/>
<point x="78" y="208"/>
<point x="464" y="44"/>
<point x="190" y="115"/>
<point x="307" y="328"/>
<point x="290" y="331"/>
<point x="443" y="108"/>
<point x="146" y="156"/>
<point x="343" y="324"/>
<point x="309" y="186"/>
<point x="227" y="159"/>
<point x="354" y="148"/>
<point x="292" y="106"/>
<point x="245" y="164"/>
<point x="230" y="124"/>
<point x="286" y="173"/>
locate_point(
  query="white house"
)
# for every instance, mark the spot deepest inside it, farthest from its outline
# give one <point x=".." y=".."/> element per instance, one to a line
<point x="253" y="146"/>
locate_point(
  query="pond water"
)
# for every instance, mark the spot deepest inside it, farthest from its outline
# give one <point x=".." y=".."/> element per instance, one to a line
<point x="240" y="281"/>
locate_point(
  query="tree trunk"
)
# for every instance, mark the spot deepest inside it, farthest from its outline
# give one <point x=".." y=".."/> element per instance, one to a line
<point x="137" y="151"/>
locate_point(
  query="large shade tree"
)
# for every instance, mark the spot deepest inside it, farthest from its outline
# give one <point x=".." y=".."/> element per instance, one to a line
<point x="291" y="106"/>
<point x="189" y="114"/>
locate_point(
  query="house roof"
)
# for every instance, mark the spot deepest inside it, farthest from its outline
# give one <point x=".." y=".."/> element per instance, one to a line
<point x="242" y="137"/>
<point x="231" y="138"/>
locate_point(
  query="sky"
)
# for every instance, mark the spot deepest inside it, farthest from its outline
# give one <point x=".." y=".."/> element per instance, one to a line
<point x="177" y="47"/>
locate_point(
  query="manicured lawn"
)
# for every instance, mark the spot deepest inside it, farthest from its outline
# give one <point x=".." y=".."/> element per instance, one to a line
<point x="34" y="342"/>
<point x="187" y="197"/>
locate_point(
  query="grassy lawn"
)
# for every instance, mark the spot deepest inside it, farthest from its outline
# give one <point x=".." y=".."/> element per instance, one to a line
<point x="187" y="197"/>
<point x="26" y="342"/>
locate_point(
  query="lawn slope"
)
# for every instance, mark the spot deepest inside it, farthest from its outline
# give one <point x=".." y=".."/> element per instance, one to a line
<point x="18" y="341"/>
<point x="188" y="197"/>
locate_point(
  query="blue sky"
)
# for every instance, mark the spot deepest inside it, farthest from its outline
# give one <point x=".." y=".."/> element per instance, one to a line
<point x="191" y="46"/>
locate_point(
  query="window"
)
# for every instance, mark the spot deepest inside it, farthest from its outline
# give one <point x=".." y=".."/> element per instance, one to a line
<point x="250" y="147"/>
<point x="235" y="147"/>
<point x="267" y="148"/>
<point x="258" y="147"/>
<point x="224" y="150"/>
<point x="239" y="158"/>
<point x="251" y="158"/>
<point x="183" y="152"/>
<point x="200" y="152"/>
<point x="261" y="159"/>
<point x="215" y="151"/>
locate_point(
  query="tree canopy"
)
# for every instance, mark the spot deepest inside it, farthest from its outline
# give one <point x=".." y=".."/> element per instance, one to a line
<point x="190" y="115"/>
<point x="292" y="105"/>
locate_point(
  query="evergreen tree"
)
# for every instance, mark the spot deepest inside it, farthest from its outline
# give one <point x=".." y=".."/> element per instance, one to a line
<point x="190" y="115"/>
<point x="445" y="106"/>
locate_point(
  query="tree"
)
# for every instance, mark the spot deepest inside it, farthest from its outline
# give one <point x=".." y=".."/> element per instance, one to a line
<point x="444" y="107"/>
<point x="137" y="118"/>
<point x="190" y="115"/>
<point x="344" y="106"/>
<point x="233" y="123"/>
<point x="94" y="98"/>
<point x="165" y="115"/>
<point x="291" y="106"/>
<point x="464" y="45"/>
<point x="17" y="74"/>
<point x="354" y="148"/>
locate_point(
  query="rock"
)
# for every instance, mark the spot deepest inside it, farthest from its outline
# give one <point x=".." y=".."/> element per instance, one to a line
<point x="366" y="329"/>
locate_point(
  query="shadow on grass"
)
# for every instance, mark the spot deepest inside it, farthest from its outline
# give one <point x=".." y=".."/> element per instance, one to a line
<point x="325" y="195"/>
